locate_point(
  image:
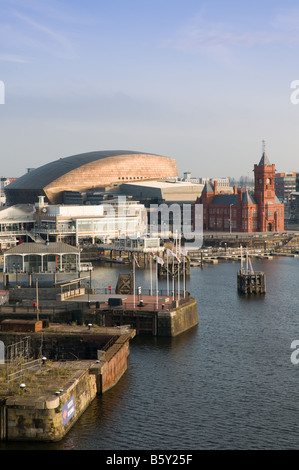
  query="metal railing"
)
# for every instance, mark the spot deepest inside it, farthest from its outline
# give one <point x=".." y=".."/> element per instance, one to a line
<point x="19" y="374"/>
<point x="29" y="309"/>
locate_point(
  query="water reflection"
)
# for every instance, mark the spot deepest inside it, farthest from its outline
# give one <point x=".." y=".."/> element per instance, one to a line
<point x="226" y="384"/>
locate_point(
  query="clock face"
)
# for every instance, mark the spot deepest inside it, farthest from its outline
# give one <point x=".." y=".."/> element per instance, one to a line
<point x="268" y="181"/>
<point x="260" y="180"/>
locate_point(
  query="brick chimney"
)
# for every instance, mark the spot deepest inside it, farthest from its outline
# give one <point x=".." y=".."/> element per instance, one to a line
<point x="215" y="187"/>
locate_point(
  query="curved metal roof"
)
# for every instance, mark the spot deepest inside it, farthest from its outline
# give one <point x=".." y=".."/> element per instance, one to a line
<point x="44" y="175"/>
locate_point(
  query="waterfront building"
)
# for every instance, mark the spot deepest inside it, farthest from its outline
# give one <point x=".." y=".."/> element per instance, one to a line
<point x="4" y="181"/>
<point x="41" y="257"/>
<point x="221" y="182"/>
<point x="245" y="211"/>
<point x="16" y="223"/>
<point x="285" y="184"/>
<point x="87" y="171"/>
<point x="72" y="224"/>
<point x="169" y="204"/>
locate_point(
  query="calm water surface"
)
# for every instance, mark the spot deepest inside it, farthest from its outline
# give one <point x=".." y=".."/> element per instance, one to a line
<point x="226" y="384"/>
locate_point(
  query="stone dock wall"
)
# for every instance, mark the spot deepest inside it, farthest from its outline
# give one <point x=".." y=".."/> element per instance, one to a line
<point x="42" y="420"/>
<point x="182" y="318"/>
<point x="50" y="417"/>
<point x="169" y="322"/>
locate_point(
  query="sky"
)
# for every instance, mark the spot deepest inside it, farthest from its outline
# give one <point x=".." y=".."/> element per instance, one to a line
<point x="204" y="82"/>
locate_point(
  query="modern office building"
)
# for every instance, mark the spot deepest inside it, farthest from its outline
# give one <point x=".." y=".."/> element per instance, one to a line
<point x="285" y="184"/>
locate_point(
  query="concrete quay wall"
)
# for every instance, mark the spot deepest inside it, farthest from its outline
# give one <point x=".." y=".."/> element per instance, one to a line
<point x="179" y="317"/>
<point x="49" y="417"/>
<point x="113" y="364"/>
<point x="182" y="318"/>
<point x="42" y="419"/>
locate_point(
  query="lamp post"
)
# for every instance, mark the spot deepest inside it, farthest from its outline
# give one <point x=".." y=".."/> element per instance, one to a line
<point x="230" y="218"/>
<point x="37" y="306"/>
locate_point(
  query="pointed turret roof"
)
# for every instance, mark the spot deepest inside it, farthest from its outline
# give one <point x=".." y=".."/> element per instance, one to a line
<point x="208" y="187"/>
<point x="264" y="160"/>
<point x="248" y="197"/>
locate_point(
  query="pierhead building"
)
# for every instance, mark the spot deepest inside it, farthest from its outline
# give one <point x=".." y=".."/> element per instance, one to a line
<point x="245" y="211"/>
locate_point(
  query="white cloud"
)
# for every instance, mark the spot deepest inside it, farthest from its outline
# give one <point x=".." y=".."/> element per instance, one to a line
<point x="200" y="35"/>
<point x="14" y="58"/>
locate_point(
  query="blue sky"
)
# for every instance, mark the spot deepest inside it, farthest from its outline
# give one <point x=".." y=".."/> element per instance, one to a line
<point x="203" y="82"/>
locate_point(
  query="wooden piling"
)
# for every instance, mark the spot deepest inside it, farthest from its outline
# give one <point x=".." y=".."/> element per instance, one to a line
<point x="251" y="283"/>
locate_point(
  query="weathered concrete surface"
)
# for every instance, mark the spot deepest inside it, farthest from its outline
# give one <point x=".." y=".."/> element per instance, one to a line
<point x="169" y="319"/>
<point x="39" y="414"/>
<point x="178" y="320"/>
<point x="113" y="364"/>
<point x="41" y="419"/>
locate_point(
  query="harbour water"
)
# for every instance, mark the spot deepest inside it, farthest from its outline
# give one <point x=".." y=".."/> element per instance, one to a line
<point x="228" y="383"/>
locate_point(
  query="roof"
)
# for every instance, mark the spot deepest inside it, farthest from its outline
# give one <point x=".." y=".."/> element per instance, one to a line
<point x="247" y="197"/>
<point x="163" y="190"/>
<point x="19" y="212"/>
<point x="161" y="184"/>
<point x="225" y="199"/>
<point x="45" y="174"/>
<point x="264" y="160"/>
<point x="208" y="187"/>
<point x="42" y="248"/>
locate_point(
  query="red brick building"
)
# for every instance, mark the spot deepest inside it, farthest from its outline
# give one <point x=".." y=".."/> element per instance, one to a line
<point x="244" y="211"/>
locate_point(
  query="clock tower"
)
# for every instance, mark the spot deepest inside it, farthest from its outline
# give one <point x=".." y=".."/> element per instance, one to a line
<point x="264" y="191"/>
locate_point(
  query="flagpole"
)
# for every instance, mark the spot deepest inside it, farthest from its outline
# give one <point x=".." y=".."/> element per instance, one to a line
<point x="179" y="258"/>
<point x="176" y="247"/>
<point x="173" y="296"/>
<point x="151" y="271"/>
<point x="184" y="277"/>
<point x="167" y="274"/>
<point x="134" y="281"/>
<point x="157" y="304"/>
